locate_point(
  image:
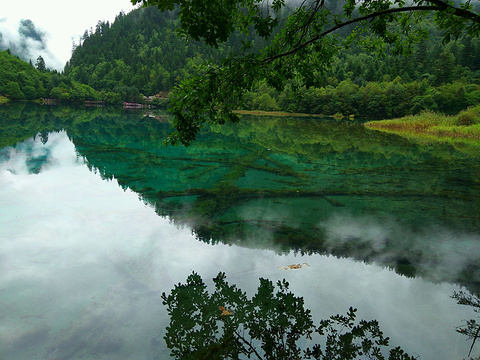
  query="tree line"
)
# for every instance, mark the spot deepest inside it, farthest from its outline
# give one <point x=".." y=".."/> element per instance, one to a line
<point x="435" y="76"/>
<point x="20" y="80"/>
<point x="140" y="54"/>
<point x="374" y="100"/>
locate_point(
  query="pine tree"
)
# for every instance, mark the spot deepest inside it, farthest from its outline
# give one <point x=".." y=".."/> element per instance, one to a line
<point x="40" y="64"/>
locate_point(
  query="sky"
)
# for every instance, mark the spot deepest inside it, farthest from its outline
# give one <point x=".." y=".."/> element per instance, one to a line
<point x="56" y="24"/>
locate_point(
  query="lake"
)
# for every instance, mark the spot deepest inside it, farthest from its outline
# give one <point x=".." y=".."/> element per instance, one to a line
<point x="98" y="218"/>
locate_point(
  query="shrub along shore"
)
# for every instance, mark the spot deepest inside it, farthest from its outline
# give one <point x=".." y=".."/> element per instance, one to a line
<point x="426" y="127"/>
<point x="430" y="126"/>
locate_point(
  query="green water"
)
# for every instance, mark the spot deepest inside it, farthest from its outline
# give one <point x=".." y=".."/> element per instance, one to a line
<point x="96" y="211"/>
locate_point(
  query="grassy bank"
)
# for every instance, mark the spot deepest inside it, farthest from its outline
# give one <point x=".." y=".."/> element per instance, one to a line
<point x="430" y="126"/>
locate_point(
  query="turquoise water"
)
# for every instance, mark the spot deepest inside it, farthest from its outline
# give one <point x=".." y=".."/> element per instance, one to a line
<point x="98" y="218"/>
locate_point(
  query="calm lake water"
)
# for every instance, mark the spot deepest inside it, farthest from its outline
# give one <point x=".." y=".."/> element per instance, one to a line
<point x="98" y="218"/>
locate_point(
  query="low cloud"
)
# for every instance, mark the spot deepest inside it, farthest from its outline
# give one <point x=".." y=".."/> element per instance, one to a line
<point x="27" y="42"/>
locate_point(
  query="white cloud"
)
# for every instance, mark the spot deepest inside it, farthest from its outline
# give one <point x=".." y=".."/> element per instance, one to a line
<point x="62" y="22"/>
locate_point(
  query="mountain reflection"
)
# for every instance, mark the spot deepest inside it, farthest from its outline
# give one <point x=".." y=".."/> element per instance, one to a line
<point x="303" y="185"/>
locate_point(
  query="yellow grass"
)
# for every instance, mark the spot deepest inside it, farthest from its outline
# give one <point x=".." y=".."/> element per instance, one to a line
<point x="434" y="126"/>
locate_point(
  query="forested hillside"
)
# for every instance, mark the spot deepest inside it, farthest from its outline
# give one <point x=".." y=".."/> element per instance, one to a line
<point x="140" y="54"/>
<point x="20" y="80"/>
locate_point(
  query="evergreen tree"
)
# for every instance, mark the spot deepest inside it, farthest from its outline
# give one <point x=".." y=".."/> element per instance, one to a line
<point x="40" y="64"/>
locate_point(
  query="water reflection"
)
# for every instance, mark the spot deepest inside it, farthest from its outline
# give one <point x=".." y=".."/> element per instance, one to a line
<point x="83" y="262"/>
<point x="272" y="324"/>
<point x="471" y="327"/>
<point x="311" y="186"/>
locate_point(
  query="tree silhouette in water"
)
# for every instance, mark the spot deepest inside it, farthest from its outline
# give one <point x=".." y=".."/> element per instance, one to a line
<point x="472" y="328"/>
<point x="273" y="324"/>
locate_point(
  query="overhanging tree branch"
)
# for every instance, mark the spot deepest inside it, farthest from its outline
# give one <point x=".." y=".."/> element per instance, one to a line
<point x="212" y="95"/>
<point x="462" y="13"/>
<point x="458" y="12"/>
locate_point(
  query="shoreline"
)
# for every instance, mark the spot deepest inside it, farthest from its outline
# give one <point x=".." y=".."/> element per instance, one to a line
<point x="462" y="131"/>
<point x="276" y="113"/>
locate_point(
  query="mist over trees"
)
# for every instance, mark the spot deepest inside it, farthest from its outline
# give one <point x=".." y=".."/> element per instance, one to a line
<point x="26" y="41"/>
<point x="141" y="54"/>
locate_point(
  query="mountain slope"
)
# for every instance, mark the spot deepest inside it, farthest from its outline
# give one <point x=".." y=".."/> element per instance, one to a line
<point x="140" y="51"/>
<point x="21" y="81"/>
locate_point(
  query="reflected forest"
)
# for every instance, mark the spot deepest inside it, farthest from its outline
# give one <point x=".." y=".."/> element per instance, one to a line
<point x="299" y="185"/>
<point x="290" y="181"/>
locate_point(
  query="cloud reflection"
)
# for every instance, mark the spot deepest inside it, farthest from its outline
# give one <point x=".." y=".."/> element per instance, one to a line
<point x="83" y="264"/>
<point x="439" y="252"/>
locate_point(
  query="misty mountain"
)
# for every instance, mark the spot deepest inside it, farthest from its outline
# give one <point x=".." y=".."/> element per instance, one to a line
<point x="28" y="31"/>
<point x="26" y="41"/>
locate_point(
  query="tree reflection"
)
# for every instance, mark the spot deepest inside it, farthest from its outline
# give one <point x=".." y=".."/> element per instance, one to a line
<point x="472" y="328"/>
<point x="273" y="324"/>
<point x="285" y="184"/>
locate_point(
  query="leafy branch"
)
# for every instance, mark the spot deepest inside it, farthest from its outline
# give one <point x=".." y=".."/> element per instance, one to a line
<point x="303" y="47"/>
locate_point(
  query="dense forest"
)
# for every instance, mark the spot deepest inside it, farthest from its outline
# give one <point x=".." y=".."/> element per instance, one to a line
<point x="20" y="80"/>
<point x="141" y="55"/>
